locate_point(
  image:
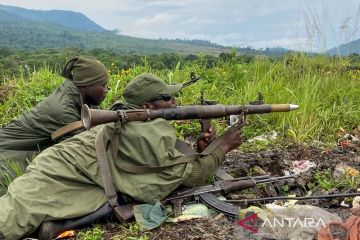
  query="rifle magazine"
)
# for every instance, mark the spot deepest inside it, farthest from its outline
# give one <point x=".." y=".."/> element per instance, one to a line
<point x="214" y="203"/>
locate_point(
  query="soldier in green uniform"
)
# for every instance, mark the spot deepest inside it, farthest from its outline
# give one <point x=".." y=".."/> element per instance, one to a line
<point x="85" y="83"/>
<point x="65" y="181"/>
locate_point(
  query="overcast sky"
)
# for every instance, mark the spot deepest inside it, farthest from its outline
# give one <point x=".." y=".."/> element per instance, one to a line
<point x="295" y="24"/>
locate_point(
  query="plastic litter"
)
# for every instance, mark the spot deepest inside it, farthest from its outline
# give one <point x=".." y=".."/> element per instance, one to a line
<point x="66" y="234"/>
<point x="302" y="166"/>
<point x="346" y="140"/>
<point x="343" y="169"/>
<point x="264" y="137"/>
<point x="294" y="222"/>
<point x="356" y="201"/>
<point x="193" y="211"/>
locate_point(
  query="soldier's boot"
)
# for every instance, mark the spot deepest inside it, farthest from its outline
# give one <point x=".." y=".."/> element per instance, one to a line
<point x="51" y="229"/>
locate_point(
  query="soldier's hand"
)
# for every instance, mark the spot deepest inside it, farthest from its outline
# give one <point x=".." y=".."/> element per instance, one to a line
<point x="205" y="139"/>
<point x="231" y="139"/>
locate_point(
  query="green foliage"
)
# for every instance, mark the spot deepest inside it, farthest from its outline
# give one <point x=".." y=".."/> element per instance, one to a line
<point x="325" y="180"/>
<point x="325" y="89"/>
<point x="95" y="233"/>
<point x="9" y="171"/>
<point x="38" y="31"/>
<point x="131" y="231"/>
<point x="27" y="92"/>
<point x="64" y="18"/>
<point x="23" y="63"/>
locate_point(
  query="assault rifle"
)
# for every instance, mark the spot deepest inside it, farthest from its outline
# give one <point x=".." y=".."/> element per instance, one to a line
<point x="93" y="117"/>
<point x="51" y="229"/>
<point x="206" y="195"/>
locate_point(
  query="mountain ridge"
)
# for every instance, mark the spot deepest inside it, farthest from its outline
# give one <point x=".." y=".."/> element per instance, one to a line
<point x="68" y="19"/>
<point x="346" y="49"/>
<point x="31" y="29"/>
<point x="19" y="31"/>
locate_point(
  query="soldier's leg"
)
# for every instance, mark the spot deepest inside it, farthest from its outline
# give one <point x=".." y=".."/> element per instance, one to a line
<point x="51" y="229"/>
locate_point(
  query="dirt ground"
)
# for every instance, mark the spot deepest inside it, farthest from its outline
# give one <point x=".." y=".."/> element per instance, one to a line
<point x="274" y="161"/>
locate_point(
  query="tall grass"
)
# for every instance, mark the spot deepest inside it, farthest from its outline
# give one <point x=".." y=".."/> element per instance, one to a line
<point x="25" y="92"/>
<point x="326" y="90"/>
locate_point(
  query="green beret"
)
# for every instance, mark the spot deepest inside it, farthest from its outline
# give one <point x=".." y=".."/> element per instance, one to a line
<point x="85" y="72"/>
<point x="147" y="86"/>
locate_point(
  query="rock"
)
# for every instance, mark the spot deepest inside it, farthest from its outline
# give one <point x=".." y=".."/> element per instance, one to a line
<point x="270" y="190"/>
<point x="356" y="202"/>
<point x="343" y="169"/>
<point x="356" y="132"/>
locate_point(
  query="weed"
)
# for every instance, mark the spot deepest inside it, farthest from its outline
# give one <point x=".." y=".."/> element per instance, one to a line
<point x="326" y="93"/>
<point x="325" y="180"/>
<point x="9" y="170"/>
<point x="131" y="231"/>
<point x="95" y="233"/>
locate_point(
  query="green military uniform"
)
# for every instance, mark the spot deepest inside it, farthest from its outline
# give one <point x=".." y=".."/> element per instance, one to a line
<point x="31" y="132"/>
<point x="64" y="181"/>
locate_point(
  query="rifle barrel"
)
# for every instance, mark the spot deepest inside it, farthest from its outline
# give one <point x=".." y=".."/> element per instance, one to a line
<point x="292" y="198"/>
<point x="250" y="177"/>
<point x="275" y="179"/>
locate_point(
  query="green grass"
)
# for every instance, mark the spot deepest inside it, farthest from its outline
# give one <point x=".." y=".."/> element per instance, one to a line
<point x="327" y="92"/>
<point x="95" y="233"/>
<point x="130" y="231"/>
<point x="324" y="89"/>
<point x="324" y="180"/>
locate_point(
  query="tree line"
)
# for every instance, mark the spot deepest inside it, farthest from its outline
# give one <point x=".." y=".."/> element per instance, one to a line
<point x="15" y="62"/>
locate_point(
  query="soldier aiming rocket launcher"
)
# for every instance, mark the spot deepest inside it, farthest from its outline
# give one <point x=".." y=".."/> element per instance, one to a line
<point x="205" y="111"/>
<point x="93" y="117"/>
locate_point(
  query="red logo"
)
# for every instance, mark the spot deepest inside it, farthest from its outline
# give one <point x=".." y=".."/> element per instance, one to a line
<point x="252" y="218"/>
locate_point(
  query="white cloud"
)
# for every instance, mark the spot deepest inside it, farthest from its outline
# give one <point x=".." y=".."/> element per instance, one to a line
<point x="240" y="22"/>
<point x="155" y="21"/>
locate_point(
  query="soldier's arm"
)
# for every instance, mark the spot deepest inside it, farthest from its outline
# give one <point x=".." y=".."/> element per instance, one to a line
<point x="204" y="167"/>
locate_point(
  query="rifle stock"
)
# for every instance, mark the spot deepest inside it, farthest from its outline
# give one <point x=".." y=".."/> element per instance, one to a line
<point x="93" y="117"/>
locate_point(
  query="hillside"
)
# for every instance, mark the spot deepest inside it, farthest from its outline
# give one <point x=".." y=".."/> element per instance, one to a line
<point x="24" y="35"/>
<point x="68" y="19"/>
<point x="346" y="49"/>
<point x="24" y="29"/>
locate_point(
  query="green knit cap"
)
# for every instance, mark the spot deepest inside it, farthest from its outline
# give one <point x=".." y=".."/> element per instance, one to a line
<point x="147" y="86"/>
<point x="85" y="72"/>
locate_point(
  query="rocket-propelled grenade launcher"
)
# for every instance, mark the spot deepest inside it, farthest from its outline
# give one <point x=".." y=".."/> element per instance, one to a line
<point x="93" y="117"/>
